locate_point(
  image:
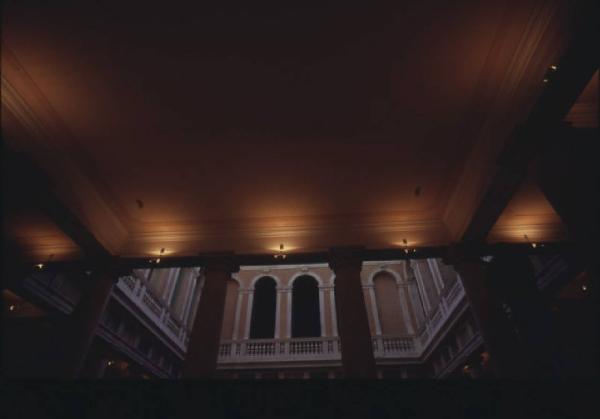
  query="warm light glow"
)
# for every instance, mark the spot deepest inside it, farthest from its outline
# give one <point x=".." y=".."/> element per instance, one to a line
<point x="584" y="288"/>
<point x="280" y="253"/>
<point x="545" y="80"/>
<point x="553" y="67"/>
<point x="40" y="265"/>
<point x="11" y="307"/>
<point x="534" y="245"/>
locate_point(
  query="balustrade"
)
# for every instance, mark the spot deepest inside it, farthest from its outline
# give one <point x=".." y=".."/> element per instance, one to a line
<point x="136" y="290"/>
<point x="297" y="349"/>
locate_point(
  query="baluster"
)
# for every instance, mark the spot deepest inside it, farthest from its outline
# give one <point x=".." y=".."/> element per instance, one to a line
<point x="136" y="286"/>
<point x="141" y="292"/>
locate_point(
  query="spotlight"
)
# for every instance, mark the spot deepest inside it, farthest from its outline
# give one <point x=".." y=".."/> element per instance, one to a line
<point x="280" y="254"/>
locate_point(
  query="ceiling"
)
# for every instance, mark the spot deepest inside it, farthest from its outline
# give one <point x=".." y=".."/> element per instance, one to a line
<point x="239" y="127"/>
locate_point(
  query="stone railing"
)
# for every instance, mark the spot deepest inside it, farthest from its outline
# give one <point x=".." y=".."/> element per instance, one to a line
<point x="276" y="350"/>
<point x="137" y="291"/>
<point x="113" y="338"/>
<point x="394" y="346"/>
<point x="438" y="318"/>
<point x="329" y="348"/>
<point x="309" y="349"/>
<point x="443" y="368"/>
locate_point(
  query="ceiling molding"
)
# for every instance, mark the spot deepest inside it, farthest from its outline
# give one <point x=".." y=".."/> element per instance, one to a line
<point x="191" y="231"/>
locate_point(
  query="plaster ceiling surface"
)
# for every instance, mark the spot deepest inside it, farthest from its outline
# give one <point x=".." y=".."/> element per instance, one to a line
<point x="240" y="127"/>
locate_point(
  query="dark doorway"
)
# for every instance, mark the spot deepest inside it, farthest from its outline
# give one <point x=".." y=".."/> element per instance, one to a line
<point x="305" y="308"/>
<point x="262" y="325"/>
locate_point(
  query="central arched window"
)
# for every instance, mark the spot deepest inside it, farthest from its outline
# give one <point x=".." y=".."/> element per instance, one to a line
<point x="306" y="320"/>
<point x="262" y="325"/>
<point x="389" y="311"/>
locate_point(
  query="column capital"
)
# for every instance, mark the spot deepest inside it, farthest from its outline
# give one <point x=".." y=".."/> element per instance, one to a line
<point x="346" y="257"/>
<point x="221" y="261"/>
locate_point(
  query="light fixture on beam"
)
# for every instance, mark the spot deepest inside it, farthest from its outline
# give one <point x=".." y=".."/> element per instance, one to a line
<point x="405" y="246"/>
<point x="534" y="245"/>
<point x="40" y="265"/>
<point x="157" y="260"/>
<point x="280" y="254"/>
<point x="406" y="249"/>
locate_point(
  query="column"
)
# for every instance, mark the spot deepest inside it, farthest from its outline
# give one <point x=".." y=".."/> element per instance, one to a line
<point x="192" y="289"/>
<point x="421" y="286"/>
<point x="436" y="275"/>
<point x="334" y="326"/>
<point x="355" y="337"/>
<point x="374" y="310"/>
<point x="173" y="280"/>
<point x="511" y="276"/>
<point x="498" y="335"/>
<point x="250" y="293"/>
<point x="414" y="295"/>
<point x="569" y="180"/>
<point x="322" y="309"/>
<point x="238" y="309"/>
<point x="404" y="306"/>
<point x="83" y="322"/>
<point x="280" y="295"/>
<point x="288" y="312"/>
<point x="202" y="353"/>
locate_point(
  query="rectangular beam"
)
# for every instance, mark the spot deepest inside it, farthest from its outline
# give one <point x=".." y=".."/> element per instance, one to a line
<point x="563" y="87"/>
<point x="26" y="186"/>
<point x="309" y="258"/>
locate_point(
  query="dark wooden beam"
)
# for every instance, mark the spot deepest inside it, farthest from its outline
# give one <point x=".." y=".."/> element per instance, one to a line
<point x="127" y="264"/>
<point x="26" y="186"/>
<point x="560" y="93"/>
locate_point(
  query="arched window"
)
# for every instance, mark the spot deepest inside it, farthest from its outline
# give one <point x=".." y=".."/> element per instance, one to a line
<point x="306" y="319"/>
<point x="262" y="324"/>
<point x="388" y="305"/>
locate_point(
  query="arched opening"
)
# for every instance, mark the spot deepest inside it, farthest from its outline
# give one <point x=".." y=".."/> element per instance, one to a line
<point x="306" y="319"/>
<point x="388" y="305"/>
<point x="262" y="324"/>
